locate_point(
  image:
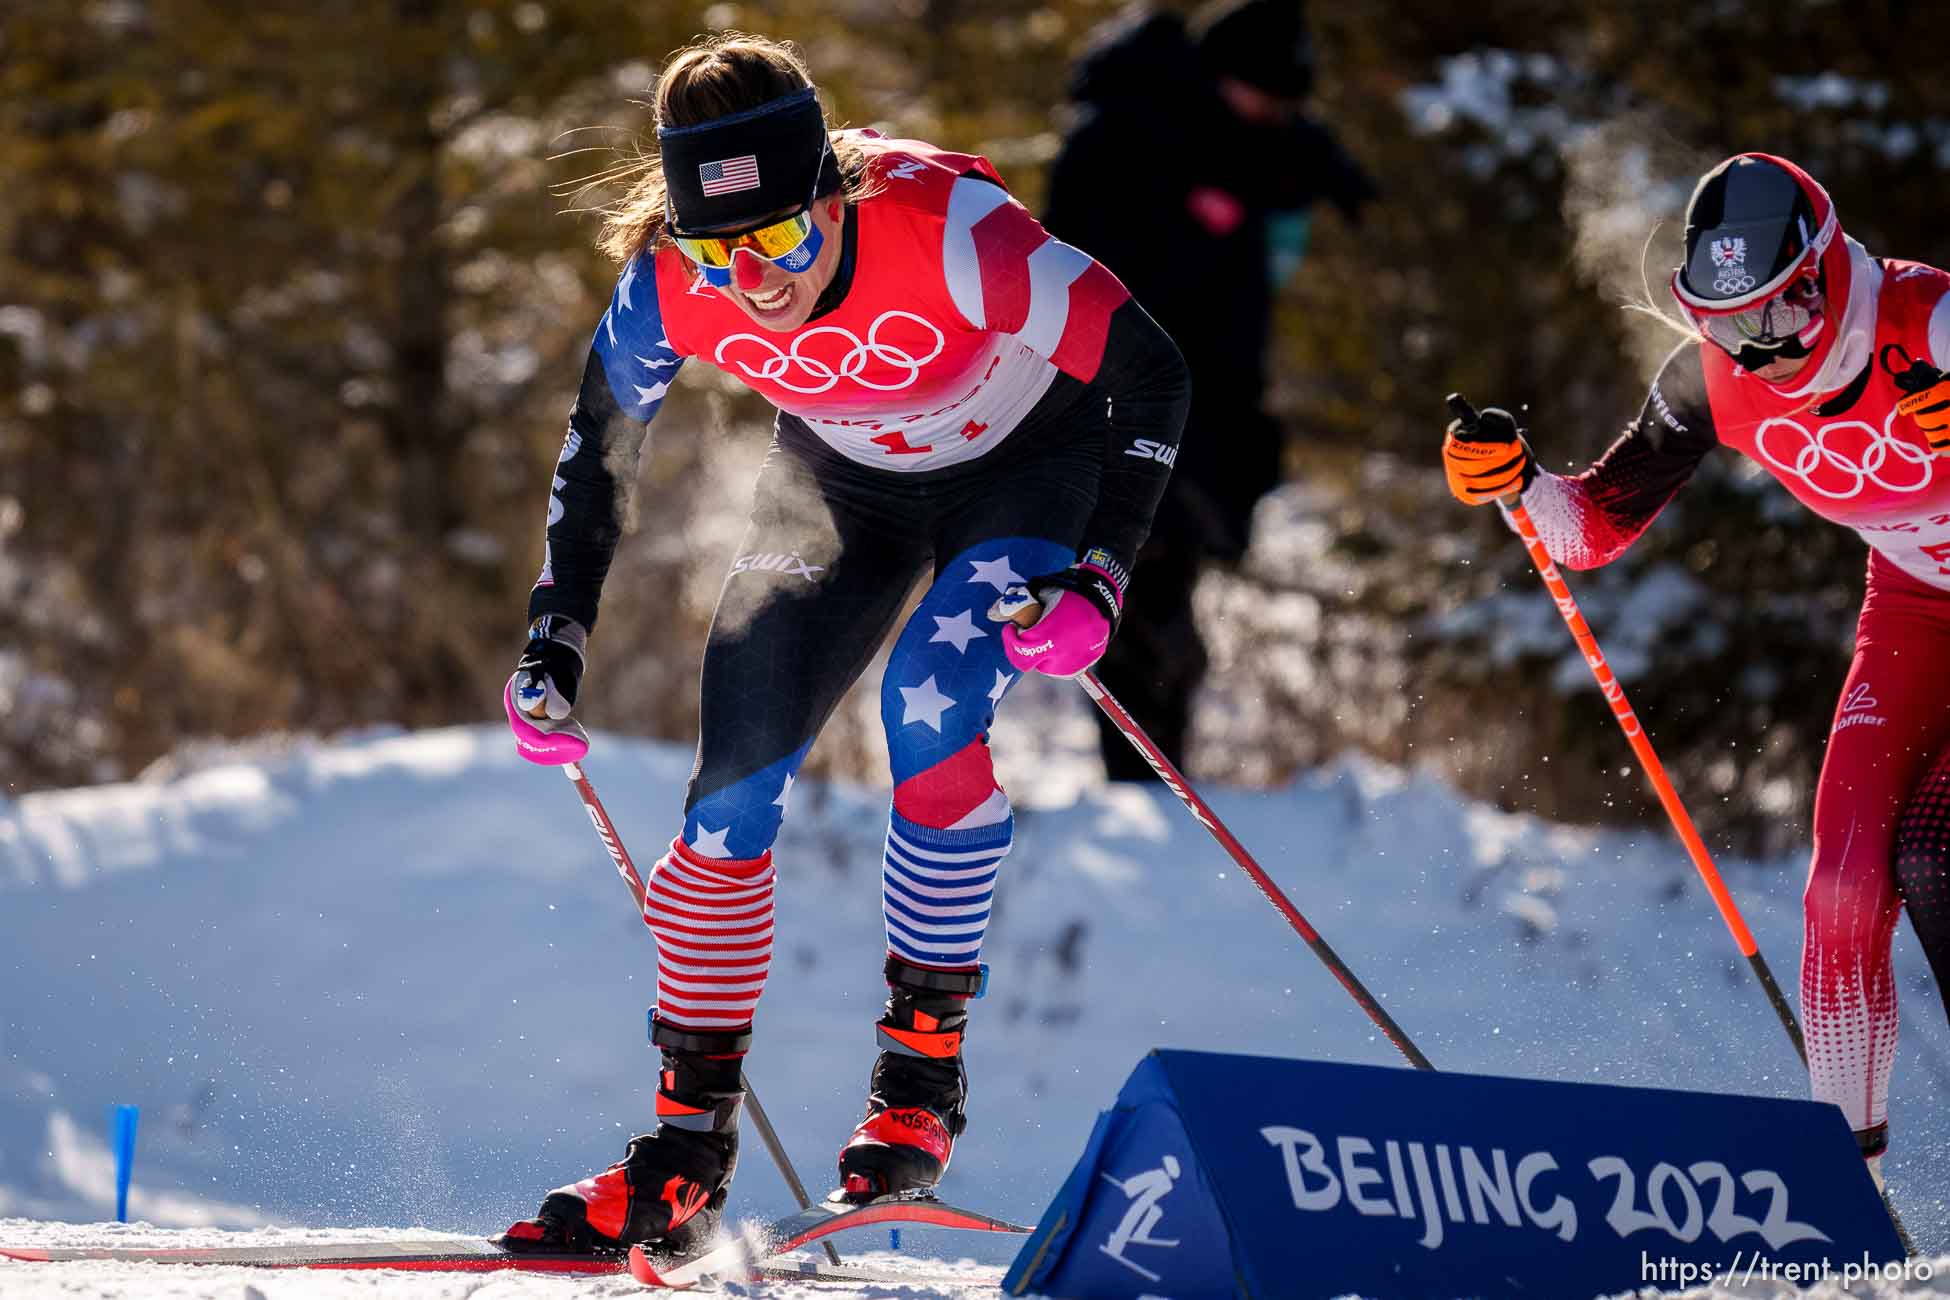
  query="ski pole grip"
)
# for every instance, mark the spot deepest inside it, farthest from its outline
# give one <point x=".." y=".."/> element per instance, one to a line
<point x="1466" y="416"/>
<point x="1016" y="606"/>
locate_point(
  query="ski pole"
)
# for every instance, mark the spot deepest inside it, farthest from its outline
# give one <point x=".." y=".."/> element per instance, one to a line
<point x="1200" y="810"/>
<point x="1655" y="772"/>
<point x="626" y="868"/>
<point x="1024" y="610"/>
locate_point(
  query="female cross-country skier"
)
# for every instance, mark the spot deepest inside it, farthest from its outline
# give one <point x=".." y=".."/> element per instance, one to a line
<point x="959" y="397"/>
<point x="1823" y="364"/>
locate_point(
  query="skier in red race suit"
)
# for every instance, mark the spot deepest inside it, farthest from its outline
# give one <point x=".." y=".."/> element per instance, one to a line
<point x="1821" y="363"/>
<point x="962" y="400"/>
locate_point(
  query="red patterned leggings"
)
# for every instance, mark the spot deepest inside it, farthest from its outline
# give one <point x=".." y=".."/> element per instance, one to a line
<point x="1882" y="823"/>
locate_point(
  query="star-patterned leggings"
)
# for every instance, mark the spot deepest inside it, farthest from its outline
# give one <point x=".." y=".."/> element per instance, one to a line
<point x="833" y="552"/>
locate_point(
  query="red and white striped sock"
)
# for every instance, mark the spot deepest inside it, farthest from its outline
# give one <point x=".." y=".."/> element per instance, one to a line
<point x="712" y="918"/>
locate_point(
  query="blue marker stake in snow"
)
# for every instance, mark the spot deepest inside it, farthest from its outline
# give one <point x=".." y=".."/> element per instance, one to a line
<point x="125" y="1119"/>
<point x="894" y="1238"/>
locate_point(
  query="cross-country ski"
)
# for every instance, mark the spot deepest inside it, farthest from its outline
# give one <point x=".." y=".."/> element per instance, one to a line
<point x="746" y="1255"/>
<point x="752" y="1253"/>
<point x="1225" y="648"/>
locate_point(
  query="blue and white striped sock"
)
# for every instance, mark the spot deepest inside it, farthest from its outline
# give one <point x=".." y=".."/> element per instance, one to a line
<point x="937" y="888"/>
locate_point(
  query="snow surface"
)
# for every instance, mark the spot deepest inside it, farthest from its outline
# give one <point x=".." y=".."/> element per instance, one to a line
<point x="394" y="980"/>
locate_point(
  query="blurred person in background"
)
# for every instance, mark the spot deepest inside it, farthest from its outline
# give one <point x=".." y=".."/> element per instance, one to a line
<point x="1823" y="364"/>
<point x="1191" y="172"/>
<point x="955" y="393"/>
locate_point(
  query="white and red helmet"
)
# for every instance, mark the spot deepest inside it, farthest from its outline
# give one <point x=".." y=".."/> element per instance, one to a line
<point x="1766" y="274"/>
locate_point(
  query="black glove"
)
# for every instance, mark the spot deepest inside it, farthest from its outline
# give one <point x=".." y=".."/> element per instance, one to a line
<point x="1086" y="579"/>
<point x="1926" y="396"/>
<point x="1486" y="457"/>
<point x="551" y="665"/>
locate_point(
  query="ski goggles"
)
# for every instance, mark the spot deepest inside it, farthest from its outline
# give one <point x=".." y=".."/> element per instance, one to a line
<point x="1784" y="327"/>
<point x="790" y="243"/>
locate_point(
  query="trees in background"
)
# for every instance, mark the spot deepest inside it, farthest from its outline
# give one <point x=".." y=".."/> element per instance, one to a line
<point x="291" y="314"/>
<point x="1528" y="152"/>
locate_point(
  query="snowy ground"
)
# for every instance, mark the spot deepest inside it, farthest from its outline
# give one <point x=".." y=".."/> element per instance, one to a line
<point x="935" y="1279"/>
<point x="393" y="980"/>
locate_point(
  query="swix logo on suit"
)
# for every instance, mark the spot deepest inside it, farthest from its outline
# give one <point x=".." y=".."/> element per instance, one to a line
<point x="1867" y="467"/>
<point x="791" y="565"/>
<point x="958" y="317"/>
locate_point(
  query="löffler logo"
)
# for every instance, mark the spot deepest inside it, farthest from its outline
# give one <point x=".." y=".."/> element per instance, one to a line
<point x="1856" y="706"/>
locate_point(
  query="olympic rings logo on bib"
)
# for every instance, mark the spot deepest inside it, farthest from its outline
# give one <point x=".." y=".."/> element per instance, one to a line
<point x="1735" y="281"/>
<point x="1830" y="472"/>
<point x="819" y="374"/>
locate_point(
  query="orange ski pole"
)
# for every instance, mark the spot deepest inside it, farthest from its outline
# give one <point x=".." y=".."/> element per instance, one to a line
<point x="1655" y="771"/>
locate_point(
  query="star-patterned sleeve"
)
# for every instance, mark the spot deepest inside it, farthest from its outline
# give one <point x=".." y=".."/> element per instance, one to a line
<point x="1006" y="273"/>
<point x="1588" y="519"/>
<point x="631" y="364"/>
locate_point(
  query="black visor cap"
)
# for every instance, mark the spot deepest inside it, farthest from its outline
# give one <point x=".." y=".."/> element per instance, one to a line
<point x="736" y="171"/>
<point x="1756" y="203"/>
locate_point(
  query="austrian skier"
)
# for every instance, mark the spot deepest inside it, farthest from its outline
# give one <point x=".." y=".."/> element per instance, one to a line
<point x="962" y="400"/>
<point x="1823" y="364"/>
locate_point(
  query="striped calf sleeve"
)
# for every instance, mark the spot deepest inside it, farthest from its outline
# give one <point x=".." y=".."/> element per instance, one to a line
<point x="712" y="919"/>
<point x="937" y="888"/>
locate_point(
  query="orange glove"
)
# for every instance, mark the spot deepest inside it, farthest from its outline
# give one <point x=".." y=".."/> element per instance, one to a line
<point x="1487" y="457"/>
<point x="1926" y="395"/>
<point x="1931" y="411"/>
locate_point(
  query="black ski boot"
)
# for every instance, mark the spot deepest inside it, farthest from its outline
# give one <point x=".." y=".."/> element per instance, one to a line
<point x="1873" y="1143"/>
<point x="914" y="1106"/>
<point x="668" y="1192"/>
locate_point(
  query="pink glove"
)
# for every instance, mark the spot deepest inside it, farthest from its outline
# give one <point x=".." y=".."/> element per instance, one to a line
<point x="1081" y="606"/>
<point x="1219" y="212"/>
<point x="542" y="740"/>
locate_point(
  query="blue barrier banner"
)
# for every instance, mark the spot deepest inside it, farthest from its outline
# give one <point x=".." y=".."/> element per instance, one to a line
<point x="1218" y="1175"/>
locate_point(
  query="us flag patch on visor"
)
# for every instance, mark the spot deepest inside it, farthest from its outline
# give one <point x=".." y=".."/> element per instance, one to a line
<point x="729" y="176"/>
